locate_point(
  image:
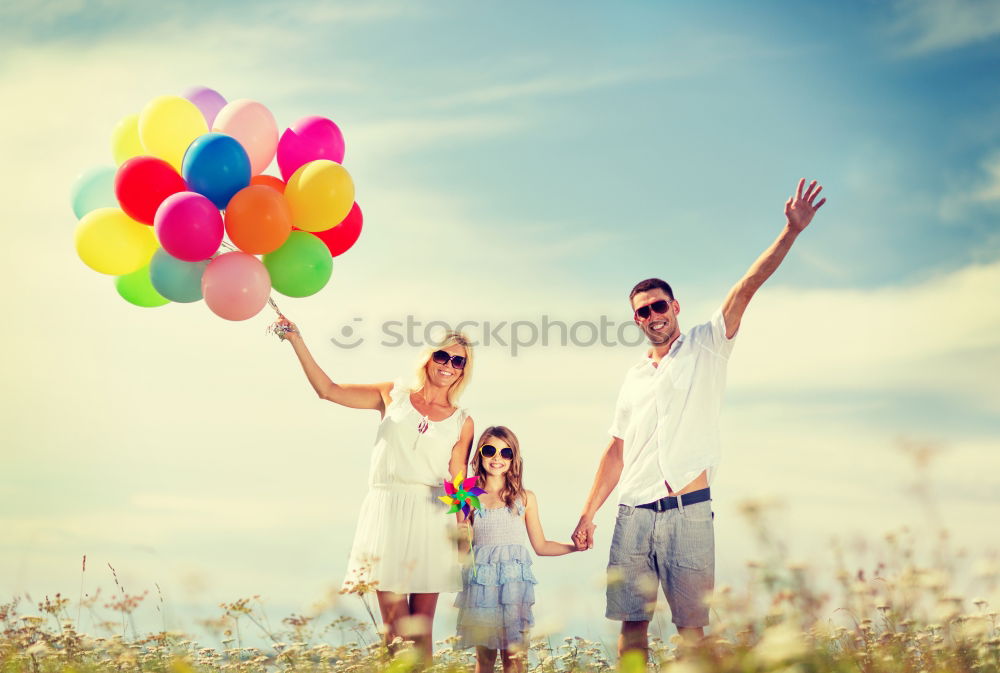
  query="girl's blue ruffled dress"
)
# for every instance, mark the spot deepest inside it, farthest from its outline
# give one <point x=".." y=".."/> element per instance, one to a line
<point x="494" y="607"/>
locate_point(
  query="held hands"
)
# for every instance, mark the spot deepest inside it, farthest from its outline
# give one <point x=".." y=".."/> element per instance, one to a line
<point x="799" y="208"/>
<point x="583" y="536"/>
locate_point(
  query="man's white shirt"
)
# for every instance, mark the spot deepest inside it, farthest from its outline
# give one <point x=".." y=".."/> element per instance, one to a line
<point x="668" y="415"/>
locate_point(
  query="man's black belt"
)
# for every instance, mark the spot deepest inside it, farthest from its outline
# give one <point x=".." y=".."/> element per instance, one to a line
<point x="670" y="502"/>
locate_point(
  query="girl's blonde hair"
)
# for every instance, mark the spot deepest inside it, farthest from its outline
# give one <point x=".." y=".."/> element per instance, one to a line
<point x="465" y="375"/>
<point x="513" y="487"/>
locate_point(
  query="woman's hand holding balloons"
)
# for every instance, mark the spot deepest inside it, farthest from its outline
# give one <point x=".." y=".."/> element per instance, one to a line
<point x="286" y="330"/>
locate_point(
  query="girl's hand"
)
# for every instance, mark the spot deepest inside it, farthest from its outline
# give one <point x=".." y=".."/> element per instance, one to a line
<point x="463" y="533"/>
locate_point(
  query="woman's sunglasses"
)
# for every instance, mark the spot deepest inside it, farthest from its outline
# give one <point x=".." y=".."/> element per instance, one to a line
<point x="658" y="306"/>
<point x="488" y="451"/>
<point x="442" y="358"/>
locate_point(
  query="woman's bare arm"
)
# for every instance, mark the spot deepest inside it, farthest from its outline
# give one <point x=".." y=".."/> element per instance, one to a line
<point x="353" y="395"/>
<point x="460" y="452"/>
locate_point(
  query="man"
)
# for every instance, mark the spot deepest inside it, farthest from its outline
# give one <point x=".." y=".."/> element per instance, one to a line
<point x="665" y="448"/>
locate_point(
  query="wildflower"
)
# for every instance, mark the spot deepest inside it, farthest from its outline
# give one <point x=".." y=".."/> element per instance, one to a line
<point x="780" y="643"/>
<point x="685" y="666"/>
<point x="38" y="649"/>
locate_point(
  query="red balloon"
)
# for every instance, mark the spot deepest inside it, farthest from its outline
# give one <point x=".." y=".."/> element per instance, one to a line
<point x="141" y="185"/>
<point x="340" y="238"/>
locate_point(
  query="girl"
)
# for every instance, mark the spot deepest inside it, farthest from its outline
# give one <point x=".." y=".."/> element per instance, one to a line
<point x="405" y="544"/>
<point x="494" y="608"/>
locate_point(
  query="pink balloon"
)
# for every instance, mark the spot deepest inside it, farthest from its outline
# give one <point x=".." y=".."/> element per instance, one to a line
<point x="306" y="140"/>
<point x="236" y="285"/>
<point x="189" y="226"/>
<point x="254" y="127"/>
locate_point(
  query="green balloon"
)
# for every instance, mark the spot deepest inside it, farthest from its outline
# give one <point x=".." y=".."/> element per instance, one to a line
<point x="136" y="288"/>
<point x="300" y="267"/>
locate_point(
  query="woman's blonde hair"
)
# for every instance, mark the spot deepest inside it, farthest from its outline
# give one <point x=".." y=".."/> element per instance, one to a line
<point x="513" y="487"/>
<point x="458" y="387"/>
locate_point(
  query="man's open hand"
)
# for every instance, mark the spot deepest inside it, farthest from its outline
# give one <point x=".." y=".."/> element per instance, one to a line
<point x="799" y="209"/>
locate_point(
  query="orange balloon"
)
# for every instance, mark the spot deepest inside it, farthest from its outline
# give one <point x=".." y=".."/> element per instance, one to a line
<point x="258" y="219"/>
<point x="268" y="181"/>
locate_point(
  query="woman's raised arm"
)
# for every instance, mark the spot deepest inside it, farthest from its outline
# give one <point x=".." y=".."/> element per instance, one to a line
<point x="355" y="396"/>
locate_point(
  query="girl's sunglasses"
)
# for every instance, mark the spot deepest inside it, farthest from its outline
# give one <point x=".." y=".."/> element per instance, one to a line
<point x="442" y="358"/>
<point x="659" y="306"/>
<point x="488" y="451"/>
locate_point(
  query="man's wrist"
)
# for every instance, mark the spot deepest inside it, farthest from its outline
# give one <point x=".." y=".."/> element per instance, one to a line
<point x="791" y="231"/>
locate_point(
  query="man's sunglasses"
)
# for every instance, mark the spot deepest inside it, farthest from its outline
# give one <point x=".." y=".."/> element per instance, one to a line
<point x="658" y="306"/>
<point x="488" y="451"/>
<point x="442" y="358"/>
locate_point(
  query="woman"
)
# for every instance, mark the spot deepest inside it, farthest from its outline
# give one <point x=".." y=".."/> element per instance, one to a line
<point x="405" y="543"/>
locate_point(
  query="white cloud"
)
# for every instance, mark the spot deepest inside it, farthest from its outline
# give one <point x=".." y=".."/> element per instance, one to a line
<point x="107" y="17"/>
<point x="928" y="26"/>
<point x="981" y="190"/>
<point x="531" y="76"/>
<point x="374" y="142"/>
<point x="545" y="86"/>
<point x="313" y="14"/>
<point x="938" y="335"/>
<point x="989" y="192"/>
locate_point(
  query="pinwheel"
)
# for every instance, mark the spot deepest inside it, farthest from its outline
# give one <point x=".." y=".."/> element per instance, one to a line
<point x="462" y="494"/>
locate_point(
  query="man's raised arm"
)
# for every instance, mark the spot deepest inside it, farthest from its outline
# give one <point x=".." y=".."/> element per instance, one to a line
<point x="799" y="211"/>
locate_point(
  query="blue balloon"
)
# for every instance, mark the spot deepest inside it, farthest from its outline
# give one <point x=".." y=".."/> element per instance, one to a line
<point x="176" y="279"/>
<point x="216" y="166"/>
<point x="94" y="189"/>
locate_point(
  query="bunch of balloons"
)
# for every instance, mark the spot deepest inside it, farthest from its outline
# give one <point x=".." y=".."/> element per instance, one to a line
<point x="188" y="213"/>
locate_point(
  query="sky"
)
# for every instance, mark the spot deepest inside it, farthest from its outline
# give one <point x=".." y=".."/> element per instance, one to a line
<point x="514" y="162"/>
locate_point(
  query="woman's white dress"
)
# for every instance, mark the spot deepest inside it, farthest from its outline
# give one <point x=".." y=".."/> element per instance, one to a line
<point x="405" y="539"/>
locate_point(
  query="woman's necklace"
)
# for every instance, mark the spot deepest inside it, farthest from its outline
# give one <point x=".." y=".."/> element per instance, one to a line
<point x="425" y="422"/>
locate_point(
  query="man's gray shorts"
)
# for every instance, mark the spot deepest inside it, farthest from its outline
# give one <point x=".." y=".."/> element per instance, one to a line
<point x="675" y="549"/>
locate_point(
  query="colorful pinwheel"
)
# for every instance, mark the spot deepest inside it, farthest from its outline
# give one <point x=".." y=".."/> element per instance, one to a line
<point x="463" y="494"/>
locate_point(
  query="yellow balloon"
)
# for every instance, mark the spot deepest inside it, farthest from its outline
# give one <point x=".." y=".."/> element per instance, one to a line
<point x="320" y="194"/>
<point x="167" y="125"/>
<point x="111" y="242"/>
<point x="125" y="140"/>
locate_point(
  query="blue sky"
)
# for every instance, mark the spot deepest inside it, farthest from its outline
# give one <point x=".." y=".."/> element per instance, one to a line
<point x="512" y="160"/>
